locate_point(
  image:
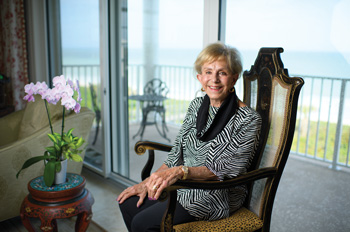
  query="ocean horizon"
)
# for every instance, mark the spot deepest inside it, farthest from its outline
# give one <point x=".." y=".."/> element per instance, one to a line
<point x="318" y="94"/>
<point x="320" y="64"/>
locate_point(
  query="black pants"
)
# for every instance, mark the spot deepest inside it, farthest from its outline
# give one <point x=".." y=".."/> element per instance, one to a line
<point x="149" y="216"/>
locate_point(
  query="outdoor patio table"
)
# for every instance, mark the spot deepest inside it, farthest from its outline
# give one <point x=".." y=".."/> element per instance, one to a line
<point x="154" y="102"/>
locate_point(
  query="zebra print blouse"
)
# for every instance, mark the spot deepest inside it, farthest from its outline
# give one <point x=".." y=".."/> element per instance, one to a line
<point x="227" y="155"/>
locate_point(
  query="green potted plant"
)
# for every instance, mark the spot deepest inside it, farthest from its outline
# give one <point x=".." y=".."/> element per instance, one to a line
<point x="65" y="145"/>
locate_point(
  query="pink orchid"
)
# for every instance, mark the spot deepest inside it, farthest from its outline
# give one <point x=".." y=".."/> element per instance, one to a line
<point x="65" y="145"/>
<point x="66" y="91"/>
<point x="49" y="96"/>
<point x="77" y="108"/>
<point x="70" y="83"/>
<point x="68" y="102"/>
<point x="77" y="88"/>
<point x="63" y="90"/>
<point x="29" y="88"/>
<point x="59" y="81"/>
<point x="29" y="98"/>
<point x="55" y="95"/>
<point x="40" y="88"/>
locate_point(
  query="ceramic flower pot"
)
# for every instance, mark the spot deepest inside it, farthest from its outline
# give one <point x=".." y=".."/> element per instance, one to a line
<point x="60" y="177"/>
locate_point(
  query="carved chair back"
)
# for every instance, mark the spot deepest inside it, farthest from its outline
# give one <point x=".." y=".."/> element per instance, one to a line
<point x="274" y="95"/>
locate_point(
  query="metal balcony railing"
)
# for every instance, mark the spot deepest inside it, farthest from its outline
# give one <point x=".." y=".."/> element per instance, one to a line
<point x="322" y="127"/>
<point x="323" y="124"/>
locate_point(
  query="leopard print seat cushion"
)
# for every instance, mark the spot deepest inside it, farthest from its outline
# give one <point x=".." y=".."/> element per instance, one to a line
<point x="241" y="220"/>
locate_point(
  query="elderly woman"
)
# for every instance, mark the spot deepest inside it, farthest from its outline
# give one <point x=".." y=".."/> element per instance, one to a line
<point x="217" y="140"/>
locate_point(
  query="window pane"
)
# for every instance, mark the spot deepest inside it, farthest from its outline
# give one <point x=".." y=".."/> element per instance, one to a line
<point x="314" y="34"/>
<point x="81" y="61"/>
<point x="162" y="43"/>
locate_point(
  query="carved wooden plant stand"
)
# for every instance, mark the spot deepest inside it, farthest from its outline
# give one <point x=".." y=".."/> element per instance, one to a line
<point x="59" y="201"/>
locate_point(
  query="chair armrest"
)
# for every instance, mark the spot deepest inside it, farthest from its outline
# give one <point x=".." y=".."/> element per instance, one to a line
<point x="229" y="183"/>
<point x="151" y="146"/>
<point x="171" y="193"/>
<point x="142" y="146"/>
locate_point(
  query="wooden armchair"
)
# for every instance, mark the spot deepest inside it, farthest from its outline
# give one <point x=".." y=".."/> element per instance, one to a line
<point x="274" y="95"/>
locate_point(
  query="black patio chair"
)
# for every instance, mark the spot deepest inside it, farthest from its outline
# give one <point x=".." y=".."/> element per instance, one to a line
<point x="152" y="100"/>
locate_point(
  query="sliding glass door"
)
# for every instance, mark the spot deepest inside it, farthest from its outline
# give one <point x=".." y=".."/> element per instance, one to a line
<point x="81" y="60"/>
<point x="115" y="48"/>
<point x="164" y="38"/>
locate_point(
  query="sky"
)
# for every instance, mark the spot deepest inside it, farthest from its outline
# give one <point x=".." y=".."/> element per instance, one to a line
<point x="80" y="23"/>
<point x="304" y="25"/>
<point x="310" y="25"/>
<point x="295" y="25"/>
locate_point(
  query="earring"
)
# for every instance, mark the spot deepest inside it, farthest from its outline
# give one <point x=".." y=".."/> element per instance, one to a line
<point x="232" y="90"/>
<point x="202" y="89"/>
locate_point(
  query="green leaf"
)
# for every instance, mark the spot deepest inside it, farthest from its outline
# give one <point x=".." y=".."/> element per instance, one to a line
<point x="51" y="149"/>
<point x="80" y="142"/>
<point x="52" y="138"/>
<point x="67" y="139"/>
<point x="57" y="147"/>
<point x="32" y="161"/>
<point x="72" y="145"/>
<point x="49" y="173"/>
<point x="58" y="137"/>
<point x="70" y="132"/>
<point x="76" y="158"/>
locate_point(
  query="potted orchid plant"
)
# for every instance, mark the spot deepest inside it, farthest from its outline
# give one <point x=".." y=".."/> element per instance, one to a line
<point x="65" y="145"/>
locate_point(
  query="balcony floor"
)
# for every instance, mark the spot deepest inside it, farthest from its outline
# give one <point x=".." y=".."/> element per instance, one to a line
<point x="310" y="197"/>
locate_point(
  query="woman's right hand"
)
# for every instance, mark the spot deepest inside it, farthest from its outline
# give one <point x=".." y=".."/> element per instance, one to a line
<point x="136" y="190"/>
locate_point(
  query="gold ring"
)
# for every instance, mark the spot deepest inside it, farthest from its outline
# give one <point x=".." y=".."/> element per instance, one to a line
<point x="155" y="187"/>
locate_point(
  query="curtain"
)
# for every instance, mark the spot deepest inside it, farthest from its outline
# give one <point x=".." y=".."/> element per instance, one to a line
<point x="13" y="50"/>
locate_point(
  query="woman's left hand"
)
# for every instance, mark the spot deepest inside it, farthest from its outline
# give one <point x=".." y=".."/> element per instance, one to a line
<point x="159" y="180"/>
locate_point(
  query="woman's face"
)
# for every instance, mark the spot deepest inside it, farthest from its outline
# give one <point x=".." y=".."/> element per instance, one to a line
<point x="217" y="81"/>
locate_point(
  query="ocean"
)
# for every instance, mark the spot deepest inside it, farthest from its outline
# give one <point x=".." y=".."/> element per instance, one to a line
<point x="325" y="64"/>
<point x="324" y="98"/>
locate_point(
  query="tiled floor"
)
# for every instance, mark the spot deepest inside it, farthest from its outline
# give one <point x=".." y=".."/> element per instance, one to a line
<point x="105" y="209"/>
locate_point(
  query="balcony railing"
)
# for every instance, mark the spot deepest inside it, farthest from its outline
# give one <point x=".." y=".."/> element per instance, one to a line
<point x="322" y="127"/>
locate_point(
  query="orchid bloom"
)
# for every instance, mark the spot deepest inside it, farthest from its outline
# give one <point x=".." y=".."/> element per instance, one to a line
<point x="77" y="88"/>
<point x="66" y="91"/>
<point x="68" y="102"/>
<point x="40" y="88"/>
<point x="66" y="145"/>
<point x="70" y="83"/>
<point x="63" y="90"/>
<point x="29" y="90"/>
<point x="59" y="81"/>
<point x="77" y="108"/>
<point x="29" y="98"/>
<point x="49" y="96"/>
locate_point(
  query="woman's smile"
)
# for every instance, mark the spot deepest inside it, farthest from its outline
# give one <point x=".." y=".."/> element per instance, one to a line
<point x="216" y="81"/>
